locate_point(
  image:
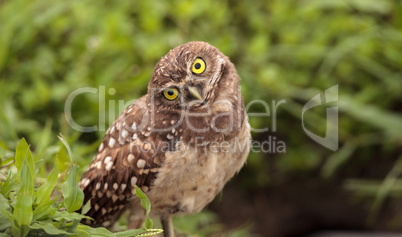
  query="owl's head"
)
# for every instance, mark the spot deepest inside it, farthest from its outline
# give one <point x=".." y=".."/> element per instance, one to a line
<point x="193" y="75"/>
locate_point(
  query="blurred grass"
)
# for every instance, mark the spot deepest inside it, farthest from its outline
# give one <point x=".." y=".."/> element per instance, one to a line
<point x="288" y="50"/>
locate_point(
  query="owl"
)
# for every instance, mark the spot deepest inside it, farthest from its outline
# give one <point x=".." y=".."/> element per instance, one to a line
<point x="180" y="143"/>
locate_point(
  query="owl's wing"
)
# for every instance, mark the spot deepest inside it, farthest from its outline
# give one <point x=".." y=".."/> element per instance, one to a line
<point x="126" y="157"/>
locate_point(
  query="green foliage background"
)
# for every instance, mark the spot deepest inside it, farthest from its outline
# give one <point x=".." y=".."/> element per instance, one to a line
<point x="290" y="50"/>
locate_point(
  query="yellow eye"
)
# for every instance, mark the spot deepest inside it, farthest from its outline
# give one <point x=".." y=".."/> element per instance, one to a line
<point x="171" y="93"/>
<point x="199" y="66"/>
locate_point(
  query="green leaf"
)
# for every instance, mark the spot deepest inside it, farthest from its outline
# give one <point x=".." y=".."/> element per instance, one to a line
<point x="145" y="203"/>
<point x="7" y="160"/>
<point x="16" y="230"/>
<point x="73" y="195"/>
<point x="67" y="216"/>
<point x="4" y="203"/>
<point x="23" y="207"/>
<point x="22" y="152"/>
<point x="44" y="209"/>
<point x="86" y="208"/>
<point x="80" y="233"/>
<point x="65" y="143"/>
<point x="44" y="192"/>
<point x="49" y="228"/>
<point x="72" y="227"/>
<point x="6" y="187"/>
<point x="5" y="215"/>
<point x="63" y="160"/>
<point x="88" y="231"/>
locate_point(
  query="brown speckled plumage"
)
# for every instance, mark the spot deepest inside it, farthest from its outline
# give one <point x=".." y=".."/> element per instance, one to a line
<point x="172" y="149"/>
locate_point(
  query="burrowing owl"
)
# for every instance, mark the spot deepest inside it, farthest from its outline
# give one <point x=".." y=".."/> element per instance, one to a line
<point x="180" y="143"/>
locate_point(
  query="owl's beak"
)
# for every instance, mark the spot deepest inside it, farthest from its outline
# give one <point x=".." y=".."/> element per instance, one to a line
<point x="194" y="92"/>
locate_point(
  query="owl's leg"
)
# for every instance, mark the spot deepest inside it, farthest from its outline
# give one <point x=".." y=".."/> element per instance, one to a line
<point x="167" y="225"/>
